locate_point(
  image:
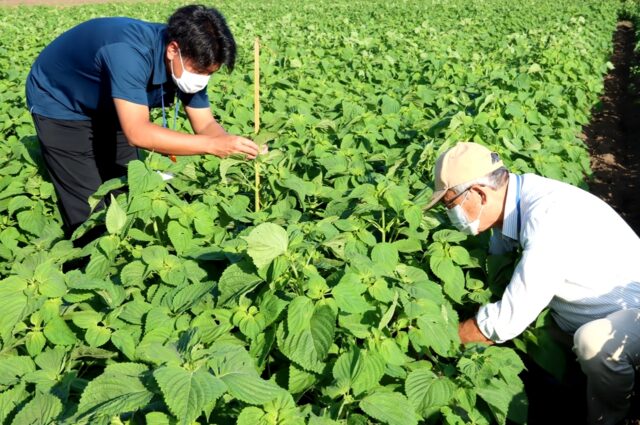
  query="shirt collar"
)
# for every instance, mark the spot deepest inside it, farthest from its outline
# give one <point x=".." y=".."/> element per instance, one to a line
<point x="510" y="222"/>
<point x="159" y="68"/>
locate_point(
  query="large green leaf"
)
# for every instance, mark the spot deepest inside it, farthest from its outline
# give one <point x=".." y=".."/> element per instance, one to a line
<point x="125" y="343"/>
<point x="52" y="359"/>
<point x="266" y="242"/>
<point x="396" y="196"/>
<point x="13" y="368"/>
<point x="14" y="304"/>
<point x="35" y="342"/>
<point x="300" y="379"/>
<point x="439" y="333"/>
<point x="116" y="217"/>
<point x="186" y="296"/>
<point x="308" y="333"/>
<point x="43" y="409"/>
<point x="233" y="365"/>
<point x="141" y="178"/>
<point x="33" y="220"/>
<point x="236" y="280"/>
<point x="51" y="282"/>
<point x="249" y="387"/>
<point x="118" y="390"/>
<point x="155" y="256"/>
<point x="11" y="399"/>
<point x="181" y="237"/>
<point x="187" y="393"/>
<point x="359" y="370"/>
<point x="507" y="399"/>
<point x="451" y="275"/>
<point x="133" y="273"/>
<point x="348" y="294"/>
<point x="159" y="418"/>
<point x="282" y="411"/>
<point x="97" y="336"/>
<point x="385" y="256"/>
<point x="390" y="105"/>
<point x="391" y="408"/>
<point x="428" y="392"/>
<point x="58" y="332"/>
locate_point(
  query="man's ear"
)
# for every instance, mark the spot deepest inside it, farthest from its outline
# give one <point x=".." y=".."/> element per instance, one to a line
<point x="480" y="190"/>
<point x="172" y="50"/>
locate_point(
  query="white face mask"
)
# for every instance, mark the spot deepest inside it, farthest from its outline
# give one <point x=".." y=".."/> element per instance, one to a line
<point x="460" y="220"/>
<point x="189" y="82"/>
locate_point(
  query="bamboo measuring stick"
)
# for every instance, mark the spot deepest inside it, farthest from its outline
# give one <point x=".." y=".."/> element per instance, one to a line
<point x="256" y="114"/>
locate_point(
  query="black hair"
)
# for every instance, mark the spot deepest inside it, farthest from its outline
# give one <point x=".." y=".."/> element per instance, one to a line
<point x="203" y="36"/>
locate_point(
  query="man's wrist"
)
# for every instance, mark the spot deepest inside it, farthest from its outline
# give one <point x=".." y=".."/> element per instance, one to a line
<point x="469" y="331"/>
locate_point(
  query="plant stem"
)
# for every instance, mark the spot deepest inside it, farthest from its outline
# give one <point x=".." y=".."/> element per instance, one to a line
<point x="384" y="226"/>
<point x="256" y="189"/>
<point x="341" y="407"/>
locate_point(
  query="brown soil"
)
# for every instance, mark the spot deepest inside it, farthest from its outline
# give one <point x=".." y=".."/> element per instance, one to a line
<point x="613" y="139"/>
<point x="613" y="134"/>
<point x="58" y="2"/>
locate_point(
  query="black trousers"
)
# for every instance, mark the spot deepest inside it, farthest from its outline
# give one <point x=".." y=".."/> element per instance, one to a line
<point x="80" y="156"/>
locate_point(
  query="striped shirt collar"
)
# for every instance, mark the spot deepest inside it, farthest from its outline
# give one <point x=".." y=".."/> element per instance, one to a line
<point x="510" y="222"/>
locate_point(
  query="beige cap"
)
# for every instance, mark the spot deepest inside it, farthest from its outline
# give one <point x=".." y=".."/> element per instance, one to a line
<point x="461" y="164"/>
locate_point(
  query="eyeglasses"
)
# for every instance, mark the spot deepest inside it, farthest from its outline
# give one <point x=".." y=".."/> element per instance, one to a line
<point x="449" y="205"/>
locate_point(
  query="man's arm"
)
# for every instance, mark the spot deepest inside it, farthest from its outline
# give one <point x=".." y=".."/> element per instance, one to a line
<point x="470" y="332"/>
<point x="203" y="122"/>
<point x="140" y="132"/>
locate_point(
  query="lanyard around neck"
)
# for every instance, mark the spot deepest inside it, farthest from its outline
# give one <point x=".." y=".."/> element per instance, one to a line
<point x="164" y="114"/>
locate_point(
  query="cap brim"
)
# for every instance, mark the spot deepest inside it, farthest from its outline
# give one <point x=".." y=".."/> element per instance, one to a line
<point x="435" y="198"/>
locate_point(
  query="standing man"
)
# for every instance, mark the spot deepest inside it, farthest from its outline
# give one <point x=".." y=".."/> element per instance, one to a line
<point x="579" y="258"/>
<point x="91" y="89"/>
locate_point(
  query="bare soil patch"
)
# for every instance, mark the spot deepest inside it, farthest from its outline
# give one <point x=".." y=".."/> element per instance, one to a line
<point x="613" y="136"/>
<point x="613" y="139"/>
<point x="59" y="2"/>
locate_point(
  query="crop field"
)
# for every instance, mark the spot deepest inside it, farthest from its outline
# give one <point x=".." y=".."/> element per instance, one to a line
<point x="338" y="300"/>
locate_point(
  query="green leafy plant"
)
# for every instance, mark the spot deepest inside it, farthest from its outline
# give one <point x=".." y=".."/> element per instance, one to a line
<point x="307" y="286"/>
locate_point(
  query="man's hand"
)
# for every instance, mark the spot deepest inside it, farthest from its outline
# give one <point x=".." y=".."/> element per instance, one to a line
<point x="221" y="143"/>
<point x="224" y="146"/>
<point x="470" y="332"/>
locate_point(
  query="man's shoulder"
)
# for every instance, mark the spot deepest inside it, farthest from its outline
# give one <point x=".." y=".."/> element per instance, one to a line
<point x="554" y="208"/>
<point x="121" y="30"/>
<point x="120" y="22"/>
<point x="539" y="190"/>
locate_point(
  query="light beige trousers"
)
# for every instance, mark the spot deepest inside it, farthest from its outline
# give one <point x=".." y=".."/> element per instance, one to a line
<point x="608" y="350"/>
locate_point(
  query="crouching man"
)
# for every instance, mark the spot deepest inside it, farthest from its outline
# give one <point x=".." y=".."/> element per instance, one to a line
<point x="579" y="258"/>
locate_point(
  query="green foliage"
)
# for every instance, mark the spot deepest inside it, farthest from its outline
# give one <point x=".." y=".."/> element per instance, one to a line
<point x="118" y="390"/>
<point x="188" y="393"/>
<point x="336" y="303"/>
<point x="389" y="407"/>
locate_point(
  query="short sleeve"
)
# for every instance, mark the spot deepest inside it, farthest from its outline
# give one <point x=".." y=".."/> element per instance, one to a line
<point x="128" y="70"/>
<point x="196" y="100"/>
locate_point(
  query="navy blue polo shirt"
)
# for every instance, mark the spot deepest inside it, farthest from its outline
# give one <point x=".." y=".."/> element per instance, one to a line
<point x="78" y="75"/>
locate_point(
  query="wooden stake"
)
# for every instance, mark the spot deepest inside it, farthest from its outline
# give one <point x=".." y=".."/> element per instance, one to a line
<point x="256" y="115"/>
<point x="256" y="86"/>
